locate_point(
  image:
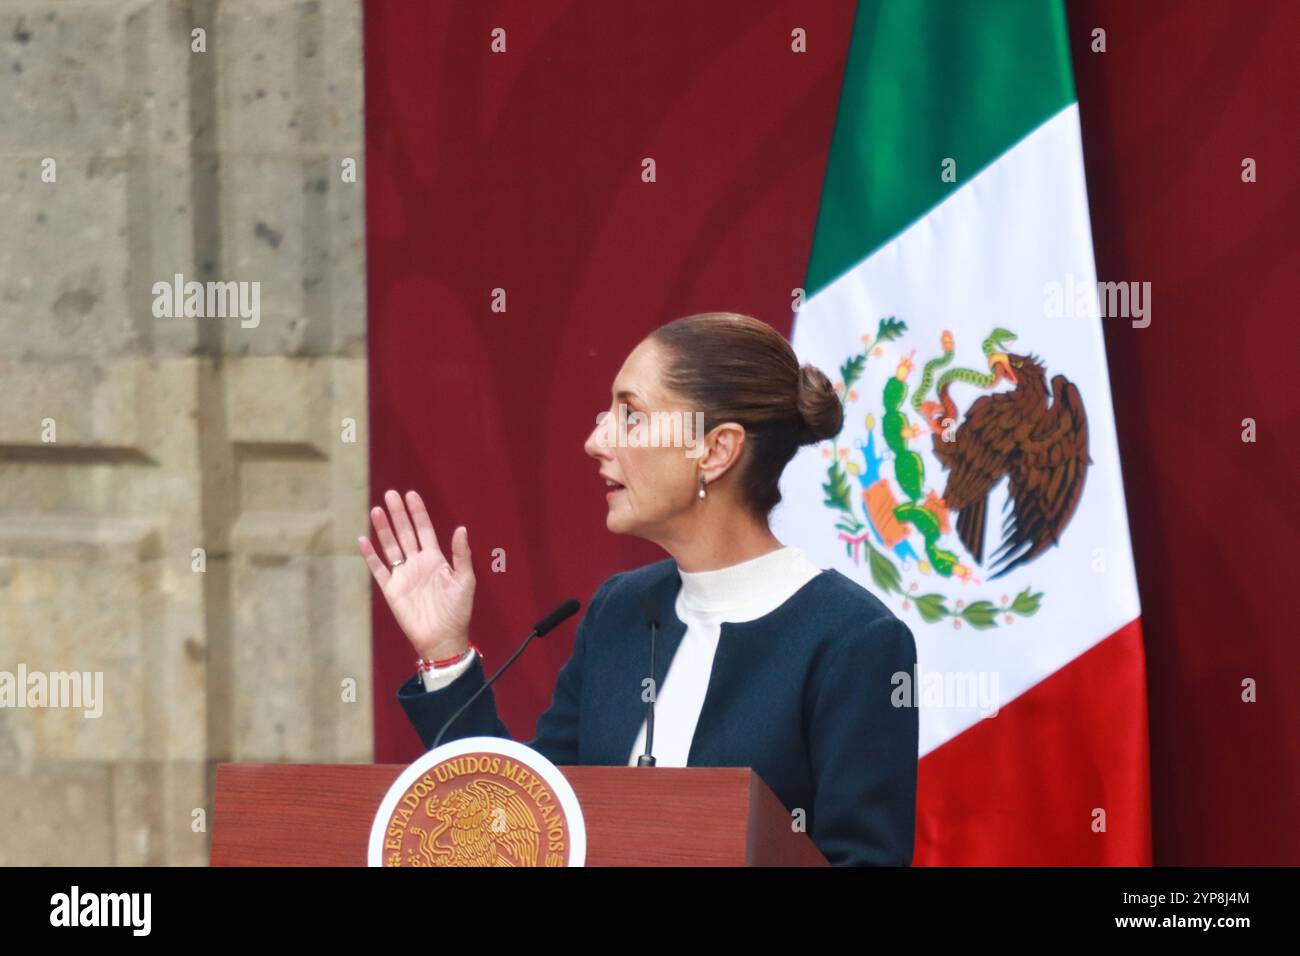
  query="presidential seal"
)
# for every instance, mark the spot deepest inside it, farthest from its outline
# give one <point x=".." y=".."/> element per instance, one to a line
<point x="480" y="801"/>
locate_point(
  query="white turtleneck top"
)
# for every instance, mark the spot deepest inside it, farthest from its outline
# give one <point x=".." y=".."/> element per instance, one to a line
<point x="738" y="593"/>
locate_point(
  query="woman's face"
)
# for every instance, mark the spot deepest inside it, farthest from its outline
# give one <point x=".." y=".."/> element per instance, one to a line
<point x="648" y="488"/>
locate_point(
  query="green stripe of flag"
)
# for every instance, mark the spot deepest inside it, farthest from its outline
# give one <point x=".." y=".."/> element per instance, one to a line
<point x="927" y="80"/>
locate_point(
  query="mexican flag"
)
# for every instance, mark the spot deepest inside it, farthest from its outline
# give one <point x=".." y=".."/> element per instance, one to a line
<point x="976" y="486"/>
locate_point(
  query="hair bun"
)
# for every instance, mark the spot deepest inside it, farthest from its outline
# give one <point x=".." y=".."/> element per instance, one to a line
<point x="819" y="406"/>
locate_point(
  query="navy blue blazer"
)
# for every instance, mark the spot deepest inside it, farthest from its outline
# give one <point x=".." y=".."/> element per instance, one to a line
<point x="803" y="695"/>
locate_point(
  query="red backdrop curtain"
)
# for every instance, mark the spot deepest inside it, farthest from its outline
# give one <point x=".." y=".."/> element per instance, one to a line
<point x="522" y="172"/>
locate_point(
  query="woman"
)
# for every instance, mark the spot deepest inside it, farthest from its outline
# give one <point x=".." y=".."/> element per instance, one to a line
<point x="763" y="660"/>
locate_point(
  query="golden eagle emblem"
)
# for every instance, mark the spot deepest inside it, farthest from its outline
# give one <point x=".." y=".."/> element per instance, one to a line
<point x="482" y="824"/>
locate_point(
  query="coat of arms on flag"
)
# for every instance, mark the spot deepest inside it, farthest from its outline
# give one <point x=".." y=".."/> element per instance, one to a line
<point x="899" y="513"/>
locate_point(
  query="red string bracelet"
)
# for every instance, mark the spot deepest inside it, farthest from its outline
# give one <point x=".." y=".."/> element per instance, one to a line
<point x="427" y="665"/>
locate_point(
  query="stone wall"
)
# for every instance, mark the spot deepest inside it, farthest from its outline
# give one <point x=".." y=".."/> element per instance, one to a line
<point x="129" y="440"/>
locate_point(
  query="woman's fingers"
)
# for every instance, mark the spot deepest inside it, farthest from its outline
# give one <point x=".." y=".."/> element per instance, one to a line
<point x="401" y="523"/>
<point x="460" y="552"/>
<point x="384" y="533"/>
<point x="423" y="526"/>
<point x="399" y="539"/>
<point x="378" y="570"/>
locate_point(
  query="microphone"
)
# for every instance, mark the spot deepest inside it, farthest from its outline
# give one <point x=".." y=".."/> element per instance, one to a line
<point x="544" y="626"/>
<point x="651" y="614"/>
<point x="565" y="610"/>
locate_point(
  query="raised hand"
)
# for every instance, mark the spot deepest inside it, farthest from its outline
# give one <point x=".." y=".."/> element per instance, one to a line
<point x="431" y="598"/>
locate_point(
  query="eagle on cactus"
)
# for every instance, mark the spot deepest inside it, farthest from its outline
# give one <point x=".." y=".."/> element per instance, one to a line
<point x="1033" y="435"/>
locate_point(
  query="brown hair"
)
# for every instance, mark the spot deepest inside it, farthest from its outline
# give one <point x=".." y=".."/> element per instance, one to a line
<point x="735" y="368"/>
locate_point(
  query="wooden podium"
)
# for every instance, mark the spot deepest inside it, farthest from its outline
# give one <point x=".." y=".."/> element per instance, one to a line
<point x="320" y="815"/>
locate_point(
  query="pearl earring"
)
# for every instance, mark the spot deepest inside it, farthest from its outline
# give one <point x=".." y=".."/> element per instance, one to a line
<point x="701" y="487"/>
